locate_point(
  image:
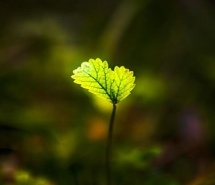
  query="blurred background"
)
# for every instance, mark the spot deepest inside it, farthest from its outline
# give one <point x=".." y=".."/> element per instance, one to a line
<point x="53" y="132"/>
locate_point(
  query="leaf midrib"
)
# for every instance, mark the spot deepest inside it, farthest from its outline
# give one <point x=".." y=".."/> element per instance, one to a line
<point x="105" y="89"/>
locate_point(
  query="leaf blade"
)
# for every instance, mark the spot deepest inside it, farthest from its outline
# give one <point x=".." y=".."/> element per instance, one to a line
<point x="124" y="82"/>
<point x="99" y="79"/>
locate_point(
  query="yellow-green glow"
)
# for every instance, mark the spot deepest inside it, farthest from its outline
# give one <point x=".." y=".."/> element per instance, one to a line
<point x="98" y="78"/>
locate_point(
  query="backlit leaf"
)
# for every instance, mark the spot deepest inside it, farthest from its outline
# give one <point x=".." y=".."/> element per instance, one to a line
<point x="98" y="78"/>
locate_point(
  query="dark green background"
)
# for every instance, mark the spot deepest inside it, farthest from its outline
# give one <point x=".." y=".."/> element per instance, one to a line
<point x="53" y="129"/>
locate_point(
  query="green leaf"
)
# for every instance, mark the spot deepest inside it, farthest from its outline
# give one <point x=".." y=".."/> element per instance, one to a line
<point x="98" y="78"/>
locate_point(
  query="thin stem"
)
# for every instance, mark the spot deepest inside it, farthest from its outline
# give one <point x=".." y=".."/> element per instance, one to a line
<point x="109" y="146"/>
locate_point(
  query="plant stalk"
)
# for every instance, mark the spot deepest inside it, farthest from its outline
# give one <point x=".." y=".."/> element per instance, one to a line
<point x="109" y="146"/>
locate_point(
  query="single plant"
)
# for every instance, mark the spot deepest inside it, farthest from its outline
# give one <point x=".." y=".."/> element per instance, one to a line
<point x="112" y="85"/>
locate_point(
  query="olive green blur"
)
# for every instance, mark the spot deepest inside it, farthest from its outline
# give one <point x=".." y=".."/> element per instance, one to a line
<point x="52" y="132"/>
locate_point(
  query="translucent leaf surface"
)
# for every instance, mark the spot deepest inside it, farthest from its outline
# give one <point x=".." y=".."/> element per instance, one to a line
<point x="99" y="79"/>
